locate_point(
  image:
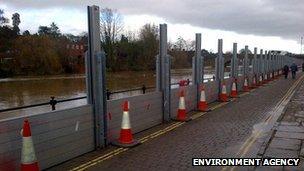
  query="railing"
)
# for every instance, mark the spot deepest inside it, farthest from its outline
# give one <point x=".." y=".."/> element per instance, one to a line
<point x="53" y="101"/>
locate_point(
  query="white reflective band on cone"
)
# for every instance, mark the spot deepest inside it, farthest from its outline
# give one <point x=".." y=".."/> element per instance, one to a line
<point x="28" y="153"/>
<point x="245" y="83"/>
<point x="261" y="79"/>
<point x="233" y="86"/>
<point x="203" y="96"/>
<point x="181" y="104"/>
<point x="224" y="91"/>
<point x="125" y="123"/>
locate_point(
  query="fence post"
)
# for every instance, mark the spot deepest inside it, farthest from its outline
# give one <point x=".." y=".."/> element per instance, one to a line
<point x="163" y="66"/>
<point x="246" y="62"/>
<point x="198" y="65"/>
<point x="266" y="64"/>
<point x="254" y="63"/>
<point x="275" y="60"/>
<point x="219" y="65"/>
<point x="96" y="77"/>
<point x="262" y="64"/>
<point x="234" y="62"/>
<point x="270" y="63"/>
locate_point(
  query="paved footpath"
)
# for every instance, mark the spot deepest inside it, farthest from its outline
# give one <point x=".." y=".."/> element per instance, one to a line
<point x="235" y="129"/>
<point x="287" y="136"/>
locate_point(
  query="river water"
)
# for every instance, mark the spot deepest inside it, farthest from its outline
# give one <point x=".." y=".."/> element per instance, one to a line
<point x="16" y="92"/>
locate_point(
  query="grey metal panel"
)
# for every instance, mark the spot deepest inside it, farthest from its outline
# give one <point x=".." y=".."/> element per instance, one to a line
<point x="55" y="134"/>
<point x="54" y="120"/>
<point x="47" y="139"/>
<point x="250" y="78"/>
<point x="240" y="83"/>
<point x="190" y="99"/>
<point x="228" y="82"/>
<point x="211" y="90"/>
<point x="145" y="112"/>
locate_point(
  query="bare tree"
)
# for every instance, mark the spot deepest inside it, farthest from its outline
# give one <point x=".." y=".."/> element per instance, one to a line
<point x="16" y="21"/>
<point x="111" y="25"/>
<point x="3" y="20"/>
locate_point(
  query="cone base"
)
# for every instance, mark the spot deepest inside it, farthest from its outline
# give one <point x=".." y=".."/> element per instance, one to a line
<point x="30" y="167"/>
<point x="246" y="89"/>
<point x="181" y="115"/>
<point x="129" y="145"/>
<point x="234" y="95"/>
<point x="203" y="107"/>
<point x="223" y="98"/>
<point x="184" y="120"/>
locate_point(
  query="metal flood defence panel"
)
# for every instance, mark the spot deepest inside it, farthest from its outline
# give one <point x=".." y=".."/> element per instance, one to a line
<point x="145" y="112"/>
<point x="58" y="136"/>
<point x="190" y="99"/>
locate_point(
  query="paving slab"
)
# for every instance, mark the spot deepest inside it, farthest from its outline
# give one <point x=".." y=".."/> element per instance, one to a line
<point x="302" y="151"/>
<point x="284" y="143"/>
<point x="300" y="114"/>
<point x="284" y="128"/>
<point x="280" y="153"/>
<point x="289" y="123"/>
<point x="269" y="168"/>
<point x="294" y="135"/>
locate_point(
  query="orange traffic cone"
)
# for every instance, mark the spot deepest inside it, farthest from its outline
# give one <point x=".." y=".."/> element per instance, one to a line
<point x="246" y="87"/>
<point x="261" y="80"/>
<point x="276" y="74"/>
<point x="233" y="93"/>
<point x="265" y="79"/>
<point x="181" y="112"/>
<point x="28" y="158"/>
<point x="223" y="94"/>
<point x="271" y="76"/>
<point x="202" y="104"/>
<point x="254" y="82"/>
<point x="126" y="137"/>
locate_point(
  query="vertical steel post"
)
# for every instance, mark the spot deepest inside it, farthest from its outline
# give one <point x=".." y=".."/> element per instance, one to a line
<point x="266" y="64"/>
<point x="261" y="63"/>
<point x="234" y="62"/>
<point x="271" y="59"/>
<point x="246" y="63"/>
<point x="275" y="58"/>
<point x="198" y="65"/>
<point x="255" y="62"/>
<point x="163" y="72"/>
<point x="219" y="65"/>
<point x="96" y="77"/>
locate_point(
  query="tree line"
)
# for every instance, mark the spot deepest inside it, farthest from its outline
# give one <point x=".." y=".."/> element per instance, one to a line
<point x="41" y="53"/>
<point x="45" y="52"/>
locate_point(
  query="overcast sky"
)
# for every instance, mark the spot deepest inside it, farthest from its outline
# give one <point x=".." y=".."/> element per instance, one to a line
<point x="267" y="24"/>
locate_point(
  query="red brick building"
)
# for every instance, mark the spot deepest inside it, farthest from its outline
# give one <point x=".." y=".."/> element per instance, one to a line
<point x="76" y="53"/>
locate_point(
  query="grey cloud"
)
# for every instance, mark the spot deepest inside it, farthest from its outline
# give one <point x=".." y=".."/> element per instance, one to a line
<point x="283" y="18"/>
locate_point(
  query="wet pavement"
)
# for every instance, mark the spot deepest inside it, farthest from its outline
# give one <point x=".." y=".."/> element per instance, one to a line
<point x="287" y="136"/>
<point x="236" y="129"/>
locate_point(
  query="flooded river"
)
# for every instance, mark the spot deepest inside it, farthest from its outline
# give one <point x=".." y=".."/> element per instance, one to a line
<point x="16" y="92"/>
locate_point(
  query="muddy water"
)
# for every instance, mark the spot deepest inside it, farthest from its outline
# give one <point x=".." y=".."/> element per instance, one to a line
<point x="16" y="92"/>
